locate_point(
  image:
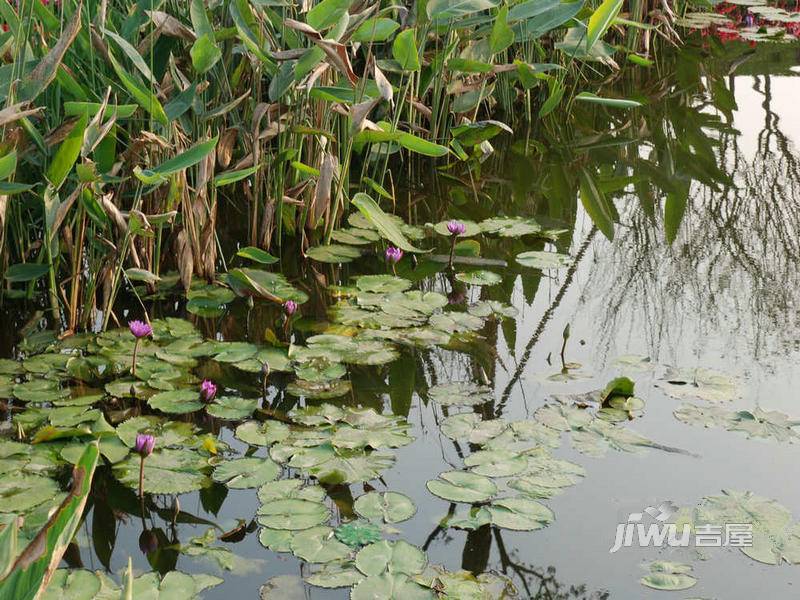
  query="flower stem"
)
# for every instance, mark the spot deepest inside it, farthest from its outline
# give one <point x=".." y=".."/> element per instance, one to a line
<point x="452" y="252"/>
<point x="141" y="478"/>
<point x="135" y="352"/>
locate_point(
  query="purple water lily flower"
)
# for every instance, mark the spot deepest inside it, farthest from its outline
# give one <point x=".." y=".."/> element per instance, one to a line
<point x="290" y="307"/>
<point x="140" y="329"/>
<point x="456" y="227"/>
<point x="208" y="390"/>
<point x="144" y="445"/>
<point x="393" y="255"/>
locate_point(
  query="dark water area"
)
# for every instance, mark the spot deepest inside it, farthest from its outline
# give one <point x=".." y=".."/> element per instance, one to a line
<point x="702" y="273"/>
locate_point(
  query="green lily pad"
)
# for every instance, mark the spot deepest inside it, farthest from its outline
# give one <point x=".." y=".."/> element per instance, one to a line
<point x="335" y="575"/>
<point x="520" y="514"/>
<point x="283" y="587"/>
<point x="394" y="557"/>
<point x="292" y="514"/>
<point x="390" y="586"/>
<point x="232" y="408"/>
<point x="479" y="277"/>
<point x="705" y="384"/>
<point x="496" y="463"/>
<point x="262" y="434"/>
<point x="392" y="507"/>
<point x="510" y="226"/>
<point x="382" y="284"/>
<point x="20" y="492"/>
<point x="72" y="584"/>
<point x="319" y="390"/>
<point x="333" y="253"/>
<point x="176" y="402"/>
<point x="492" y="308"/>
<point x="462" y="486"/>
<point x="469" y="427"/>
<point x="166" y="471"/>
<point x="463" y="393"/>
<point x="318" y="545"/>
<point x="668" y="576"/>
<point x="358" y="533"/>
<point x="539" y="259"/>
<point x="472" y="229"/>
<point x="244" y="473"/>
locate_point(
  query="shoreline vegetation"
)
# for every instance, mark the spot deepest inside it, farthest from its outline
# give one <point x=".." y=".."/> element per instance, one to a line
<point x="127" y="128"/>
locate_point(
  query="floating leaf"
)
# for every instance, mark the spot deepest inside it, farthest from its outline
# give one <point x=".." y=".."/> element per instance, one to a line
<point x="333" y="253"/>
<point x="469" y="427"/>
<point x="244" y="473"/>
<point x="392" y="507"/>
<point x="520" y="514"/>
<point x="463" y="393"/>
<point x="358" y="533"/>
<point x="496" y="463"/>
<point x="318" y="545"/>
<point x="177" y="402"/>
<point x="479" y="277"/>
<point x="232" y="408"/>
<point x="543" y="260"/>
<point x="262" y="434"/>
<point x="394" y="557"/>
<point x="292" y="514"/>
<point x="461" y="486"/>
<point x="705" y="384"/>
<point x="668" y="576"/>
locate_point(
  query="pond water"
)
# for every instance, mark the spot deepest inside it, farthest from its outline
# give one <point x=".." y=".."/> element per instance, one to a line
<point x="695" y="300"/>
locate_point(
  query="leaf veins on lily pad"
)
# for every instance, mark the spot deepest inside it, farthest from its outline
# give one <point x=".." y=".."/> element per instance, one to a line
<point x="462" y="486"/>
<point x="705" y="384"/>
<point x="463" y="393"/>
<point x="391" y="507"/>
<point x="668" y="576"/>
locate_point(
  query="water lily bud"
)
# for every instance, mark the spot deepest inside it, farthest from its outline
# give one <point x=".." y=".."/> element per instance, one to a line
<point x="208" y="390"/>
<point x="140" y="329"/>
<point x="290" y="307"/>
<point x="393" y="255"/>
<point x="148" y="542"/>
<point x="456" y="227"/>
<point x="144" y="444"/>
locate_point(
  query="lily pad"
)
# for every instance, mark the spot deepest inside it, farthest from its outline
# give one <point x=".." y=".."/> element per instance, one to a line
<point x="176" y="402"/>
<point x="463" y="393"/>
<point x="232" y="408"/>
<point x="394" y="557"/>
<point x="20" y="492"/>
<point x="166" y="471"/>
<point x="668" y="576"/>
<point x="462" y="486"/>
<point x="392" y="507"/>
<point x="244" y="473"/>
<point x="382" y="284"/>
<point x="390" y="586"/>
<point x="539" y="259"/>
<point x="333" y="253"/>
<point x="496" y="463"/>
<point x="479" y="277"/>
<point x="520" y="514"/>
<point x="318" y="545"/>
<point x="705" y="384"/>
<point x="469" y="427"/>
<point x="292" y="514"/>
<point x="262" y="434"/>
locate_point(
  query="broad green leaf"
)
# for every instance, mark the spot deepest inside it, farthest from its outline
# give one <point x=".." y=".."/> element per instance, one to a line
<point x="23" y="272"/>
<point x="601" y="20"/>
<point x="520" y="514"/>
<point x="444" y="10"/>
<point x="376" y="29"/>
<point x="394" y="557"/>
<point x="244" y="473"/>
<point x="333" y="253"/>
<point x="502" y="35"/>
<point x="176" y="164"/>
<point x="36" y="564"/>
<point x="257" y="255"/>
<point x="381" y="221"/>
<point x="143" y="96"/>
<point x="596" y="204"/>
<point x="613" y="102"/>
<point x="404" y="50"/>
<point x="8" y="164"/>
<point x="205" y="53"/>
<point x="229" y="177"/>
<point x="67" y="153"/>
<point x="327" y="13"/>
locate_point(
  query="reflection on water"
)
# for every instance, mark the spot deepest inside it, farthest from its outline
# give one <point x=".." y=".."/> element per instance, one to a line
<point x="701" y="186"/>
